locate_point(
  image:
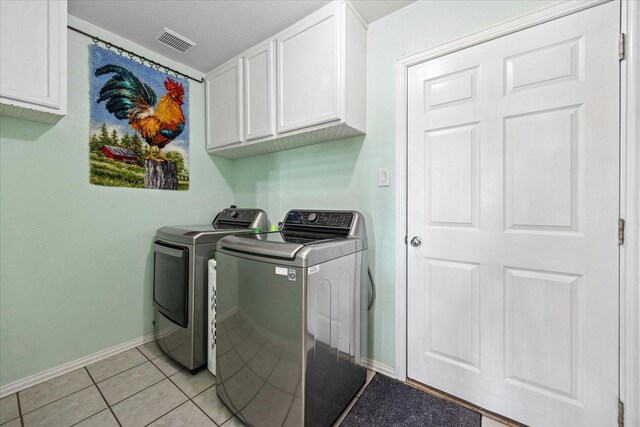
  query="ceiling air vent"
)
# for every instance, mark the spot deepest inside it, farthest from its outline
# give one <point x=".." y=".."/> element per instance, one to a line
<point x="174" y="40"/>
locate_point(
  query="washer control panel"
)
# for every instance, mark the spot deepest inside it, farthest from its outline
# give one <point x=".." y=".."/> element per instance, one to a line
<point x="332" y="219"/>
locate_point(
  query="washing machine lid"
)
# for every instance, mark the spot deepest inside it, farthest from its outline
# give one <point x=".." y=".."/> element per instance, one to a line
<point x="267" y="244"/>
<point x="275" y="244"/>
<point x="299" y="251"/>
<point x="306" y="238"/>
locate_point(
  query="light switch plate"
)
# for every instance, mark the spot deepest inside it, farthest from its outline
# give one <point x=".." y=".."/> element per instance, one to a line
<point x="383" y="177"/>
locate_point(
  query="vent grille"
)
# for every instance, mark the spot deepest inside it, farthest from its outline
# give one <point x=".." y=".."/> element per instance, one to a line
<point x="174" y="40"/>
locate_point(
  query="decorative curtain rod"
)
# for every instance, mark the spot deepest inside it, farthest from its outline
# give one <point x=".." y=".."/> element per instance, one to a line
<point x="121" y="51"/>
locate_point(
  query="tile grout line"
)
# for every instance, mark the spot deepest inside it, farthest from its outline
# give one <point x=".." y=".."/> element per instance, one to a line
<point x="56" y="400"/>
<point x="144" y="355"/>
<point x="111" y="376"/>
<point x="19" y="409"/>
<point x="166" y="377"/>
<point x="164" y="373"/>
<point x="189" y="399"/>
<point x="168" y="412"/>
<point x="158" y="382"/>
<point x="169" y="378"/>
<point x="140" y="391"/>
<point x="205" y="414"/>
<point x="151" y="385"/>
<point x="103" y="398"/>
<point x="196" y="395"/>
<point x="202" y="410"/>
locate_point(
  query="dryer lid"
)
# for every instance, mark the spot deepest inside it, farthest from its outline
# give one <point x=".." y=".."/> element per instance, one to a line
<point x="228" y="221"/>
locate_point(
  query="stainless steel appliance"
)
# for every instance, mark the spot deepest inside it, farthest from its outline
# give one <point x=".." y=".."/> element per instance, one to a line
<point x="291" y="319"/>
<point x="180" y="261"/>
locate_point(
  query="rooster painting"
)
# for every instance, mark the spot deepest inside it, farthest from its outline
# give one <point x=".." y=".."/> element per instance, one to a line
<point x="127" y="98"/>
<point x="138" y="123"/>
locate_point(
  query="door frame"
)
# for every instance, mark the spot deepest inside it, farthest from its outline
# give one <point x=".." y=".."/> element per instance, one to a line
<point x="629" y="352"/>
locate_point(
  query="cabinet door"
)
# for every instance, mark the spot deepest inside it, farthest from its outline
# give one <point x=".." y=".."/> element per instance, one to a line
<point x="224" y="105"/>
<point x="309" y="72"/>
<point x="259" y="84"/>
<point x="33" y="46"/>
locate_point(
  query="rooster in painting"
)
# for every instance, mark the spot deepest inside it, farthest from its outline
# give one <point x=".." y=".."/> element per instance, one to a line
<point x="128" y="98"/>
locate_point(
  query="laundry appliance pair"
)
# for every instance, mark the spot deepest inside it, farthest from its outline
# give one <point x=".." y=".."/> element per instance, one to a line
<point x="290" y="311"/>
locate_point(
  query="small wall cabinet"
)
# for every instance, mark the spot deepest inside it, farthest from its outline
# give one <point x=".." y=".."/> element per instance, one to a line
<point x="224" y="105"/>
<point x="259" y="92"/>
<point x="33" y="60"/>
<point x="309" y="72"/>
<point x="305" y="85"/>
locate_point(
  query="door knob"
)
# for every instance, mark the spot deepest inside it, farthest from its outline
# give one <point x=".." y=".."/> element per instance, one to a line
<point x="416" y="241"/>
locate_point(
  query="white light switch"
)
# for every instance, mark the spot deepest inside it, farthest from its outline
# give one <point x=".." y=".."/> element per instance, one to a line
<point x="383" y="177"/>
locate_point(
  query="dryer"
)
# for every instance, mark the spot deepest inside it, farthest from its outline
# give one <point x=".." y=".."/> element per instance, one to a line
<point x="180" y="267"/>
<point x="291" y="319"/>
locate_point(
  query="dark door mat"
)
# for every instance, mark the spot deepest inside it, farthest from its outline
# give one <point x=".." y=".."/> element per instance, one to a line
<point x="388" y="402"/>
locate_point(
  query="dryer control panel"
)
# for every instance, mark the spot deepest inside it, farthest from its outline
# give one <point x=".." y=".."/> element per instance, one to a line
<point x="241" y="218"/>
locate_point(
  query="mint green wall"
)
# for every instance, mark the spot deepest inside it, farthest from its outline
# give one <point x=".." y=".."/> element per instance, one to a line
<point x="75" y="260"/>
<point x="343" y="174"/>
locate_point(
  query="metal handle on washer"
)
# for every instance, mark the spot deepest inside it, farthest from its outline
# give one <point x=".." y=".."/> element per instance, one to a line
<point x="416" y="241"/>
<point x="169" y="251"/>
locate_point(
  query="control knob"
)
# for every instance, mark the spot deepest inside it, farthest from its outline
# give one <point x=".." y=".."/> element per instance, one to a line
<point x="234" y="214"/>
<point x="312" y="218"/>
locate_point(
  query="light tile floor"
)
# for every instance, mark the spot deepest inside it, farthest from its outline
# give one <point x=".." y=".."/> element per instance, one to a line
<point x="135" y="388"/>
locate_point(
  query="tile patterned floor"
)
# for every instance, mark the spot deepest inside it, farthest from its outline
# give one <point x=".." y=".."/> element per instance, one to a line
<point x="135" y="388"/>
<point x="138" y="387"/>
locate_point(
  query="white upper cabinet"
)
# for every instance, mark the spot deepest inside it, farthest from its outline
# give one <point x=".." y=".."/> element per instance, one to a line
<point x="224" y="105"/>
<point x="309" y="71"/>
<point x="259" y="93"/>
<point x="303" y="86"/>
<point x="33" y="60"/>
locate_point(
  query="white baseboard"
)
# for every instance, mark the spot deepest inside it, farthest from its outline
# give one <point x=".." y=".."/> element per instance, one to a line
<point x="47" y="375"/>
<point x="381" y="368"/>
<point x="22" y="384"/>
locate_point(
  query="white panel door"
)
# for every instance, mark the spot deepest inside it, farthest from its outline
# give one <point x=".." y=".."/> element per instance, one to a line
<point x="259" y="88"/>
<point x="513" y="189"/>
<point x="224" y="105"/>
<point x="309" y="71"/>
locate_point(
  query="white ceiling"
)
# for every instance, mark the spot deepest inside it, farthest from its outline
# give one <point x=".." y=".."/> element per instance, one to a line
<point x="220" y="28"/>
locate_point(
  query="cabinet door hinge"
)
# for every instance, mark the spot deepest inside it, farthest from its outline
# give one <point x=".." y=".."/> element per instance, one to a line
<point x="620" y="231"/>
<point x="620" y="414"/>
<point x="621" y="47"/>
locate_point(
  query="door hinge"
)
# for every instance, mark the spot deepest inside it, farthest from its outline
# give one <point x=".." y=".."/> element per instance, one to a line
<point x="620" y="231"/>
<point x="620" y="414"/>
<point x="621" y="47"/>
